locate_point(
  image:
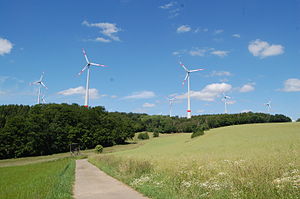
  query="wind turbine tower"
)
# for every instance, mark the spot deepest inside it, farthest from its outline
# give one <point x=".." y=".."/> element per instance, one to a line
<point x="171" y="102"/>
<point x="268" y="105"/>
<point x="40" y="85"/>
<point x="225" y="98"/>
<point x="87" y="67"/>
<point x="187" y="78"/>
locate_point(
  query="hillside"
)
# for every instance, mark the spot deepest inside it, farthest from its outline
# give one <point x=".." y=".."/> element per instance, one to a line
<point x="244" y="161"/>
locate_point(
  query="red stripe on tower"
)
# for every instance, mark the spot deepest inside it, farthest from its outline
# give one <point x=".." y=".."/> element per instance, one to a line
<point x="86" y="106"/>
<point x="188" y="111"/>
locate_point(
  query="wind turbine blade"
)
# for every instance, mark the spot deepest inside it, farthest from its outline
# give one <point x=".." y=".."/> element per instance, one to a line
<point x="93" y="64"/>
<point x="85" y="56"/>
<point x="183" y="66"/>
<point x="83" y="69"/>
<point x="42" y="76"/>
<point x="185" y="79"/>
<point x="196" y="70"/>
<point x="43" y="85"/>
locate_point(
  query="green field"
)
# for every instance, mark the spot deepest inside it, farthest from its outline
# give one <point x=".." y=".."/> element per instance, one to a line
<point x="45" y="180"/>
<point x="245" y="161"/>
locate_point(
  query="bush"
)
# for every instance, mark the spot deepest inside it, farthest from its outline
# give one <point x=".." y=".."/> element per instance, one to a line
<point x="99" y="148"/>
<point x="197" y="133"/>
<point x="155" y="134"/>
<point x="143" y="136"/>
<point x="298" y="120"/>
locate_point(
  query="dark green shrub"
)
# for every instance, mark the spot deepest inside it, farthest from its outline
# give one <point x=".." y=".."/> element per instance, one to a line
<point x="298" y="120"/>
<point x="99" y="148"/>
<point x="143" y="136"/>
<point x="155" y="134"/>
<point x="197" y="133"/>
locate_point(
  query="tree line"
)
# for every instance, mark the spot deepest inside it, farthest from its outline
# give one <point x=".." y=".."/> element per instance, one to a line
<point x="50" y="128"/>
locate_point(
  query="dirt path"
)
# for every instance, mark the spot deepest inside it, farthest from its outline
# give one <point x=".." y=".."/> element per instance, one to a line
<point x="92" y="183"/>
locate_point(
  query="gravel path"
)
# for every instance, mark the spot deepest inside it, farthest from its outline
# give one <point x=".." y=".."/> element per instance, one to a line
<point x="92" y="183"/>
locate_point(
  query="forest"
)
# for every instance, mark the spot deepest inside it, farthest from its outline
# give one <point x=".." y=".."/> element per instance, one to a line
<point x="45" y="129"/>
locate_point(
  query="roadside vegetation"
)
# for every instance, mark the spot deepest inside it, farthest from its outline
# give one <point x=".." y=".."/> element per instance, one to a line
<point x="245" y="161"/>
<point x="47" y="180"/>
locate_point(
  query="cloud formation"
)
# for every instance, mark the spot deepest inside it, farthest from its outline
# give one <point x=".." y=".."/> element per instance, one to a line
<point x="292" y="85"/>
<point x="93" y="93"/>
<point x="247" y="88"/>
<point x="220" y="53"/>
<point x="183" y="28"/>
<point x="5" y="46"/>
<point x="220" y="73"/>
<point x="141" y="95"/>
<point x="236" y="35"/>
<point x="263" y="49"/>
<point x="148" y="105"/>
<point x="107" y="29"/>
<point x="209" y="92"/>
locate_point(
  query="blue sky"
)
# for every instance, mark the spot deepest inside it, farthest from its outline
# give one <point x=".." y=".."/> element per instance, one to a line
<point x="250" y="51"/>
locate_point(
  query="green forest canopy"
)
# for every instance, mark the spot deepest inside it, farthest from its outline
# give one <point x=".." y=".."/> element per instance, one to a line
<point x="49" y="128"/>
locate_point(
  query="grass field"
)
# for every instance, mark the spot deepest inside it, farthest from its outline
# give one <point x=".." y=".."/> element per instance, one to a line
<point x="47" y="180"/>
<point x="245" y="161"/>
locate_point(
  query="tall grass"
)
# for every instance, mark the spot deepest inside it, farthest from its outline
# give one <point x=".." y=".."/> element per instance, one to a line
<point x="47" y="180"/>
<point x="249" y="161"/>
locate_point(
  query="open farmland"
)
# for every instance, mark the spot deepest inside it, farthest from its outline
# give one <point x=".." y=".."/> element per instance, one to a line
<point x="245" y="161"/>
<point x="47" y="180"/>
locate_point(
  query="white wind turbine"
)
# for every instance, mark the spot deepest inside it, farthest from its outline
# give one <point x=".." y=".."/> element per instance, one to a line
<point x="268" y="105"/>
<point x="40" y="84"/>
<point x="171" y="102"/>
<point x="187" y="77"/>
<point x="225" y="98"/>
<point x="87" y="66"/>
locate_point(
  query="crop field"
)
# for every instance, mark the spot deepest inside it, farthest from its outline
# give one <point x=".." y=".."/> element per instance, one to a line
<point x="244" y="161"/>
<point x="47" y="180"/>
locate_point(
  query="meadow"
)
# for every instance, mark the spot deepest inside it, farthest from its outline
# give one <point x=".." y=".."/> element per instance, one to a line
<point x="243" y="161"/>
<point x="48" y="180"/>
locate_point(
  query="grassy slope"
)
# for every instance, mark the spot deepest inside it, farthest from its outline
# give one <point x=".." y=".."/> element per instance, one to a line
<point x="47" y="180"/>
<point x="257" y="160"/>
<point x="242" y="141"/>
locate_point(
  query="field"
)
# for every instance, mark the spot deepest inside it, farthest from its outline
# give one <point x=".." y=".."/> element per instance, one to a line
<point x="48" y="180"/>
<point x="245" y="161"/>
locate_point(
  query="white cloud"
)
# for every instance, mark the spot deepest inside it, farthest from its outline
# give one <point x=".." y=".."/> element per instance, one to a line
<point x="101" y="39"/>
<point x="93" y="93"/>
<point x="183" y="28"/>
<point x="197" y="52"/>
<point x="148" y="105"/>
<point x="218" y="31"/>
<point x="236" y="35"/>
<point x="108" y="29"/>
<point x="220" y="53"/>
<point x="168" y="5"/>
<point x="247" y="88"/>
<point x="231" y="102"/>
<point x="5" y="46"/>
<point x="141" y="95"/>
<point x="201" y="30"/>
<point x="291" y="85"/>
<point x="209" y="93"/>
<point x="263" y="49"/>
<point x="220" y="73"/>
<point x="113" y="96"/>
<point x="246" y="111"/>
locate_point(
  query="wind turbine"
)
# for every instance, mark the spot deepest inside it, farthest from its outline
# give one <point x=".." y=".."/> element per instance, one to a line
<point x="40" y="84"/>
<point x="171" y="101"/>
<point x="225" y="98"/>
<point x="43" y="99"/>
<point x="187" y="77"/>
<point x="268" y="105"/>
<point x="87" y="66"/>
